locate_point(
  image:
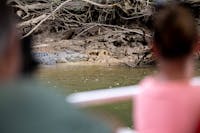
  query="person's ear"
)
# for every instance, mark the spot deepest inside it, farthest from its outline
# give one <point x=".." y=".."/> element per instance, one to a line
<point x="11" y="59"/>
<point x="13" y="45"/>
<point x="13" y="52"/>
<point x="154" y="49"/>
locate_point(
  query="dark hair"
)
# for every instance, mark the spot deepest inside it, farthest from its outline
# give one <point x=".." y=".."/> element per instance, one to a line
<point x="29" y="63"/>
<point x="175" y="31"/>
<point x="7" y="22"/>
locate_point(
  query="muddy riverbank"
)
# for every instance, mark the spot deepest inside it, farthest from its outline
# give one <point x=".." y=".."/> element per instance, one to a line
<point x="107" y="48"/>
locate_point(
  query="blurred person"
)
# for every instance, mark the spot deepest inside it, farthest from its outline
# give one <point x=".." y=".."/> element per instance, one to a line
<point x="10" y="51"/>
<point x="169" y="102"/>
<point x="25" y="105"/>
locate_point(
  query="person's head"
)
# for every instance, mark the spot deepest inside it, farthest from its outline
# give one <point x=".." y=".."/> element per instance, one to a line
<point x="16" y="58"/>
<point x="175" y="32"/>
<point x="10" y="51"/>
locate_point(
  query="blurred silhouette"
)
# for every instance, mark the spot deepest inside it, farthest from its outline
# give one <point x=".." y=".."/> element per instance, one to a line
<point x="169" y="102"/>
<point x="25" y="105"/>
<point x="10" y="52"/>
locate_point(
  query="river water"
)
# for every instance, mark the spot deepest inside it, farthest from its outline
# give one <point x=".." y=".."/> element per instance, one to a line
<point x="71" y="79"/>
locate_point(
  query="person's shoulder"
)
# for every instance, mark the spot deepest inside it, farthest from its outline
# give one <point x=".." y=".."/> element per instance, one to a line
<point x="47" y="110"/>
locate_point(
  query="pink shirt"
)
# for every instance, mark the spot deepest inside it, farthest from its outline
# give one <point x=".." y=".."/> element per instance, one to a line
<point x="167" y="107"/>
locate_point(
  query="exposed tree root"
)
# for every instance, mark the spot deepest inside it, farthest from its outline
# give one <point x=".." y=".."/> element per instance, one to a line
<point x="60" y="16"/>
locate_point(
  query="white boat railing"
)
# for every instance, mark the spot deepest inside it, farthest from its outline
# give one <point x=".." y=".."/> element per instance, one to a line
<point x="103" y="96"/>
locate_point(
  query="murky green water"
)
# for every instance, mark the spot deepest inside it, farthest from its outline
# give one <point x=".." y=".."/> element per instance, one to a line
<point x="83" y="78"/>
<point x="70" y="79"/>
